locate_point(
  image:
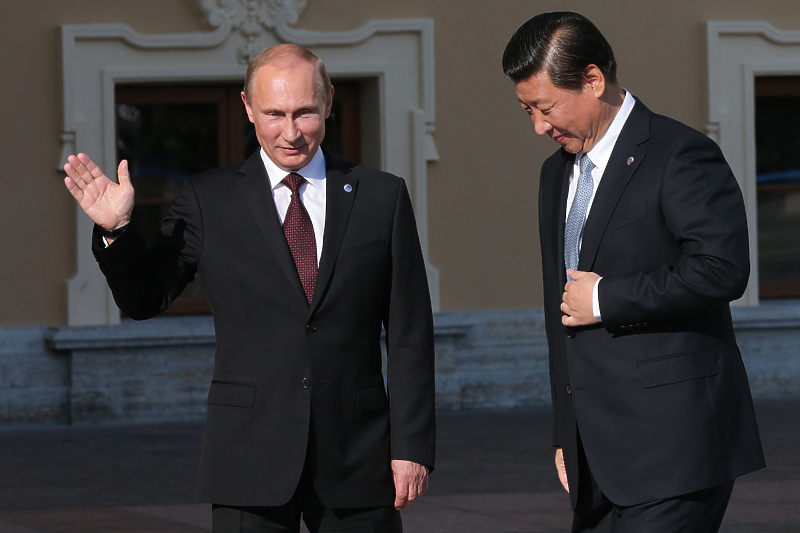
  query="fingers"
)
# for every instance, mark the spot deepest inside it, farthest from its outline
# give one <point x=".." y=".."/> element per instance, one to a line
<point x="575" y="274"/>
<point x="82" y="170"/>
<point x="123" y="174"/>
<point x="410" y="481"/>
<point x="77" y="176"/>
<point x="408" y="492"/>
<point x="90" y="166"/>
<point x="566" y="318"/>
<point x="577" y="300"/>
<point x="73" y="174"/>
<point x="73" y="188"/>
<point x="561" y="469"/>
<point x="401" y="495"/>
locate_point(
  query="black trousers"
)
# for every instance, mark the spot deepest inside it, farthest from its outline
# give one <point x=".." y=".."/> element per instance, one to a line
<point x="318" y="519"/>
<point x="306" y="506"/>
<point x="696" y="512"/>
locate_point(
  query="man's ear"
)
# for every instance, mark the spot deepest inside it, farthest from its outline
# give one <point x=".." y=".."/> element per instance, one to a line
<point x="329" y="104"/>
<point x="247" y="107"/>
<point x="594" y="80"/>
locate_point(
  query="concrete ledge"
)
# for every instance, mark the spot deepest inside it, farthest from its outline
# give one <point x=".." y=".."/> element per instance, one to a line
<point x="160" y="369"/>
<point x="769" y="338"/>
<point x="34" y="382"/>
<point x="150" y="371"/>
<point x="170" y="331"/>
<point x="499" y="360"/>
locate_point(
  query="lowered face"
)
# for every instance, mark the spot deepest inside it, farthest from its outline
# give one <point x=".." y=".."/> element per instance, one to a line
<point x="288" y="111"/>
<point x="574" y="119"/>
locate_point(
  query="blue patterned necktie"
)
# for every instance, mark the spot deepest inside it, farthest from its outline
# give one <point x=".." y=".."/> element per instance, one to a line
<point x="573" y="231"/>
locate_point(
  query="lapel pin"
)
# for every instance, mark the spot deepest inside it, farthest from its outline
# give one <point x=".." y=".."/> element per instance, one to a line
<point x="348" y="188"/>
<point x="630" y="160"/>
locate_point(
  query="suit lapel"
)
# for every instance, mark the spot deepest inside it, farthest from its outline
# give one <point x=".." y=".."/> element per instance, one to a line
<point x="254" y="186"/>
<point x="553" y="204"/>
<point x="627" y="155"/>
<point x="559" y="222"/>
<point x="340" y="193"/>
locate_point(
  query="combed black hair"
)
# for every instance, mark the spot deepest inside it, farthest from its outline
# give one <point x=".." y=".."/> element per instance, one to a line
<point x="562" y="44"/>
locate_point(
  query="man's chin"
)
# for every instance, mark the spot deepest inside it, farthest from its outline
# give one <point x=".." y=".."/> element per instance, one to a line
<point x="569" y="147"/>
<point x="292" y="163"/>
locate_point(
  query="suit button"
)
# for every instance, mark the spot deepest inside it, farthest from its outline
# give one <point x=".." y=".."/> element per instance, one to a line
<point x="571" y="333"/>
<point x="311" y="328"/>
<point x="569" y="390"/>
<point x="306" y="383"/>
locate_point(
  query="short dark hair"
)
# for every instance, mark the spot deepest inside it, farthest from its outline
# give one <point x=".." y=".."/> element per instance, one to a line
<point x="562" y="44"/>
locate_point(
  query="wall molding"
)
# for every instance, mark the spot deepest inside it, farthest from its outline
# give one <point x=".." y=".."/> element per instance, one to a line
<point x="738" y="52"/>
<point x="398" y="53"/>
<point x="159" y="369"/>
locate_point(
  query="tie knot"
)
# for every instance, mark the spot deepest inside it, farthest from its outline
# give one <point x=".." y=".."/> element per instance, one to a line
<point x="293" y="181"/>
<point x="586" y="164"/>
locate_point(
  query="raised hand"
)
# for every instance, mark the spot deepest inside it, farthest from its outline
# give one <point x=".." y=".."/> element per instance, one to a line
<point x="107" y="203"/>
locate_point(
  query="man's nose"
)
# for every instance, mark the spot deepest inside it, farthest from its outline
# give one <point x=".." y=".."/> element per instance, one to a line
<point x="290" y="129"/>
<point x="540" y="124"/>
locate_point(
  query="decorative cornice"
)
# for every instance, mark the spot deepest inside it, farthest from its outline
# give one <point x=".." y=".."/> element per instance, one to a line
<point x="251" y="18"/>
<point x="752" y="27"/>
<point x="95" y="57"/>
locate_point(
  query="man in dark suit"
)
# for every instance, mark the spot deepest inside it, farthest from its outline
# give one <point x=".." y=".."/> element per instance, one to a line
<point x="644" y="245"/>
<point x="304" y="258"/>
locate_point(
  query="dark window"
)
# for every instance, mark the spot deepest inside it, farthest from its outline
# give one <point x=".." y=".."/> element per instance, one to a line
<point x="171" y="132"/>
<point x="778" y="185"/>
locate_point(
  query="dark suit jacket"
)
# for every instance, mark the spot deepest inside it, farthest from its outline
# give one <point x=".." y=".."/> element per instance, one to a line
<point x="658" y="391"/>
<point x="284" y="370"/>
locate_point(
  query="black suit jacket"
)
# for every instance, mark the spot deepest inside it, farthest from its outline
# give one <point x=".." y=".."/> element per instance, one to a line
<point x="658" y="391"/>
<point x="284" y="371"/>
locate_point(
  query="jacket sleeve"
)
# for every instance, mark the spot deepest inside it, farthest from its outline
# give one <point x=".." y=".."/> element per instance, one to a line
<point x="703" y="209"/>
<point x="145" y="282"/>
<point x="409" y="342"/>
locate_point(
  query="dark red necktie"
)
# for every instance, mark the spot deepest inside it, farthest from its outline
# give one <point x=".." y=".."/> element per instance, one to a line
<point x="300" y="235"/>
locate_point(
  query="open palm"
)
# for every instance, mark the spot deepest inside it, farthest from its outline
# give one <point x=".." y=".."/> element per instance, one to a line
<point x="107" y="203"/>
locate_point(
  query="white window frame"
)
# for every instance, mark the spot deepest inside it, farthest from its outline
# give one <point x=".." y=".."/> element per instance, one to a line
<point x="738" y="52"/>
<point x="397" y="52"/>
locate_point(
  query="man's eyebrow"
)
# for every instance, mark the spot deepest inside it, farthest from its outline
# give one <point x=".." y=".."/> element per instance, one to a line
<point x="533" y="103"/>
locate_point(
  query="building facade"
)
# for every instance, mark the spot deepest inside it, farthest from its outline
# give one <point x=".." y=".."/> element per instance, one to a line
<point x="429" y="102"/>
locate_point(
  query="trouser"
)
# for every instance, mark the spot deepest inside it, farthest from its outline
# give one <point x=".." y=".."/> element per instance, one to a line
<point x="305" y="505"/>
<point x="696" y="512"/>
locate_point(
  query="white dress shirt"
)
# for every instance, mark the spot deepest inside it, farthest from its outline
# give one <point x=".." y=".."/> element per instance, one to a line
<point x="600" y="153"/>
<point x="312" y="192"/>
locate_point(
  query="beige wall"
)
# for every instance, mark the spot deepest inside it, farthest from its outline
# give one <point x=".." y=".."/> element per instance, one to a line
<point x="37" y="233"/>
<point x="489" y="153"/>
<point x="489" y="156"/>
<point x="660" y="48"/>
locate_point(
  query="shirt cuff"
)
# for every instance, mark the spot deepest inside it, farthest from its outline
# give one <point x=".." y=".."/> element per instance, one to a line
<point x="596" y="301"/>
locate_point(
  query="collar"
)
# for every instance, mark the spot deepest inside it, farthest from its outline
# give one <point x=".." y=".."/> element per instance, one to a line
<point x="314" y="172"/>
<point x="601" y="152"/>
